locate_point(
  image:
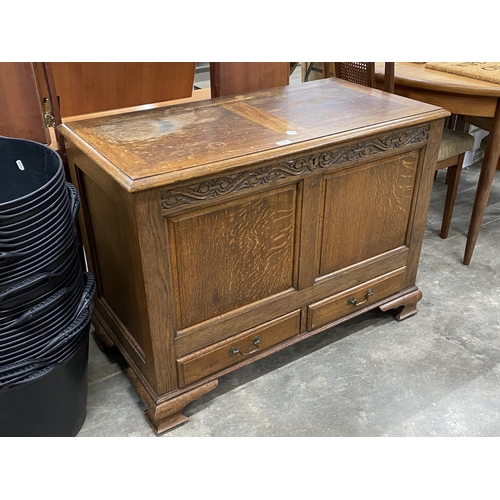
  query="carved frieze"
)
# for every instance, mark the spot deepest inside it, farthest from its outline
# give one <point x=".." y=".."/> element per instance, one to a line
<point x="231" y="183"/>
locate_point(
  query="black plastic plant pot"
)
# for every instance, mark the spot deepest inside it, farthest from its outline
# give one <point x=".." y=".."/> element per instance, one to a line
<point x="38" y="232"/>
<point x="33" y="345"/>
<point x="58" y="349"/>
<point x="37" y="206"/>
<point x="18" y="299"/>
<point x="31" y="169"/>
<point x="7" y="315"/>
<point x="12" y="254"/>
<point x="50" y="259"/>
<point x="27" y="370"/>
<point x="65" y="211"/>
<point x="33" y="219"/>
<point x="53" y="403"/>
<point x="43" y="268"/>
<point x="41" y="322"/>
<point x="34" y="340"/>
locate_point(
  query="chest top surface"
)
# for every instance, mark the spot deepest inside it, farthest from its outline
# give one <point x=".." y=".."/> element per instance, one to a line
<point x="219" y="134"/>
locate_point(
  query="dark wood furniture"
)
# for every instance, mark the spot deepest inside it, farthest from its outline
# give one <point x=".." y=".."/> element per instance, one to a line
<point x="230" y="78"/>
<point x="459" y="95"/>
<point x="222" y="231"/>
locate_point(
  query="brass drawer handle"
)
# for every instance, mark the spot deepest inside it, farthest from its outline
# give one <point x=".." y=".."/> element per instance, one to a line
<point x="256" y="342"/>
<point x="353" y="301"/>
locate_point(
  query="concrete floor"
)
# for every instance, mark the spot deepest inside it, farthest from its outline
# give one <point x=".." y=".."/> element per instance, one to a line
<point x="434" y="374"/>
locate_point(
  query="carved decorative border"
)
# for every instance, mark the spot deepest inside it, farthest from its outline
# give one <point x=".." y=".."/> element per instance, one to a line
<point x="214" y="188"/>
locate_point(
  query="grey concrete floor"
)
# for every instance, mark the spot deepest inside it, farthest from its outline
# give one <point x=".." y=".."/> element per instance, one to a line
<point x="434" y="374"/>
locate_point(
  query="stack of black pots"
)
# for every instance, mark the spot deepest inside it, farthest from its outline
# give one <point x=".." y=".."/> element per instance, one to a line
<point x="45" y="296"/>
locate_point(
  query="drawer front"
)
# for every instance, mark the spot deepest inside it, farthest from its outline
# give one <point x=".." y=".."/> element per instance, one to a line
<point x="212" y="359"/>
<point x="359" y="297"/>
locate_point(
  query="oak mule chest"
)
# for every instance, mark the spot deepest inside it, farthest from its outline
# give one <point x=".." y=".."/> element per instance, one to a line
<point x="222" y="231"/>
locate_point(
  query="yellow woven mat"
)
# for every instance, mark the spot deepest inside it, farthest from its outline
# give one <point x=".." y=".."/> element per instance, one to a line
<point x="488" y="71"/>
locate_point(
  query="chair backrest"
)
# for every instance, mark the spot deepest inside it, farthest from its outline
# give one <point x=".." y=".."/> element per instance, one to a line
<point x="363" y="73"/>
<point x="21" y="113"/>
<point x="230" y="78"/>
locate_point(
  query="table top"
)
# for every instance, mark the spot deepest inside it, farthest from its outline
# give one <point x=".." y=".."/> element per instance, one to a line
<point x="206" y="137"/>
<point x="416" y="75"/>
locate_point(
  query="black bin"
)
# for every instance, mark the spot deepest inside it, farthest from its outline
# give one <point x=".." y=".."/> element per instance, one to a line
<point x="51" y="405"/>
<point x="45" y="296"/>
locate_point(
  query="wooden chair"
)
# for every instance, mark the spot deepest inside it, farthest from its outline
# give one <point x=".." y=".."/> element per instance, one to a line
<point x="230" y="78"/>
<point x="482" y="123"/>
<point x="454" y="143"/>
<point x="26" y="113"/>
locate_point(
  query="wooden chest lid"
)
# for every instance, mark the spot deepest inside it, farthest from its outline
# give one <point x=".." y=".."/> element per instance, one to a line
<point x="147" y="148"/>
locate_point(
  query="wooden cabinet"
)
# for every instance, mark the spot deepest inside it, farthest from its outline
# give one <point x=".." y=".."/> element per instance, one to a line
<point x="223" y="231"/>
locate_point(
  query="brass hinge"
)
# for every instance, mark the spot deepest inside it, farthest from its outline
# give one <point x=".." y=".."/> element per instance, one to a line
<point x="47" y="115"/>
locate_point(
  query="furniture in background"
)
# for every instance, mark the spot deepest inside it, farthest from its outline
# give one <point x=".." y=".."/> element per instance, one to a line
<point x="459" y="95"/>
<point x="230" y="78"/>
<point x="484" y="124"/>
<point x="22" y="113"/>
<point x="311" y="71"/>
<point x="224" y="231"/>
<point x="27" y="114"/>
<point x="88" y="87"/>
<point x="454" y="143"/>
<point x="364" y="73"/>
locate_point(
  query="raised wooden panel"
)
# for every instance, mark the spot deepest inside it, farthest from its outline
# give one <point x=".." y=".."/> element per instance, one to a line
<point x="21" y="112"/>
<point x="366" y="211"/>
<point x="233" y="254"/>
<point x="114" y="267"/>
<point x="88" y="87"/>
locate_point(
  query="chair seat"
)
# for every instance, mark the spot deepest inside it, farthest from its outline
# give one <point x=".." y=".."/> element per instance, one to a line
<point x="454" y="143"/>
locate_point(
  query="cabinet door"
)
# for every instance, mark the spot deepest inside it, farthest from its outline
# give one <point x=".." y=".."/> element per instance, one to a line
<point x="232" y="254"/>
<point x="366" y="211"/>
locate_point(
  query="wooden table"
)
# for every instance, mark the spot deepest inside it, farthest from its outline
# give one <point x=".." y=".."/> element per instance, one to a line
<point x="461" y="96"/>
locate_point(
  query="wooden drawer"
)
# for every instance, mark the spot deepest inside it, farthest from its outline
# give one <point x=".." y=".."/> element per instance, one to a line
<point x="344" y="303"/>
<point x="250" y="343"/>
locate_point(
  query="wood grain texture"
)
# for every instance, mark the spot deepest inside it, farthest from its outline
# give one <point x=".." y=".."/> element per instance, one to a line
<point x="112" y="243"/>
<point x="224" y="326"/>
<point x="228" y="78"/>
<point x="418" y="76"/>
<point x="21" y="112"/>
<point x="329" y="309"/>
<point x="369" y="206"/>
<point x="89" y="87"/>
<point x="233" y="254"/>
<point x="200" y="364"/>
<point x="144" y="146"/>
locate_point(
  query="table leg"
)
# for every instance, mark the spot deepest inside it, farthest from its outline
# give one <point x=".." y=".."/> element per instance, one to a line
<point x="486" y="177"/>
